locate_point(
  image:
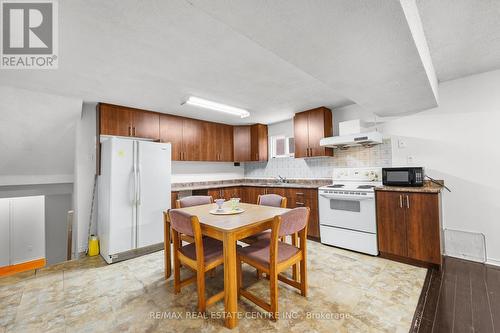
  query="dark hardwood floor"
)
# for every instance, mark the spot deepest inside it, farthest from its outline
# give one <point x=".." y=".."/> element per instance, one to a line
<point x="463" y="297"/>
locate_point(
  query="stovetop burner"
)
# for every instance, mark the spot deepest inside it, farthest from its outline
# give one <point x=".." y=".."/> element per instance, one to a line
<point x="336" y="186"/>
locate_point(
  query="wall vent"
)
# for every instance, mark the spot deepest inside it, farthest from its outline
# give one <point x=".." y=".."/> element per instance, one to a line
<point x="465" y="245"/>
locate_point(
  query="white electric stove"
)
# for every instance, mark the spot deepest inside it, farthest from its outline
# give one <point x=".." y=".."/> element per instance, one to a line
<point x="347" y="209"/>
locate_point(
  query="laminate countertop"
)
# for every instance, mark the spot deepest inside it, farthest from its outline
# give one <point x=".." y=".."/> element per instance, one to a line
<point x="294" y="183"/>
<point x="429" y="187"/>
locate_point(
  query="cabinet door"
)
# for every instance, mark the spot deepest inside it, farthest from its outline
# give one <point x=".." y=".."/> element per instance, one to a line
<point x="319" y="126"/>
<point x="225" y="143"/>
<point x="242" y="143"/>
<point x="423" y="229"/>
<point x="231" y="192"/>
<point x="251" y="194"/>
<point x="311" y="201"/>
<point x="191" y="139"/>
<point x="114" y="120"/>
<point x="4" y="232"/>
<point x="27" y="229"/>
<point x="258" y="144"/>
<point x="145" y="124"/>
<point x="391" y="224"/>
<point x="210" y="142"/>
<point x="301" y="134"/>
<point x="216" y="193"/>
<point x="171" y="131"/>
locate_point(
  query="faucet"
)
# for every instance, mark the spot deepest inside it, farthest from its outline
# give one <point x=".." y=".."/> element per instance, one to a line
<point x="282" y="179"/>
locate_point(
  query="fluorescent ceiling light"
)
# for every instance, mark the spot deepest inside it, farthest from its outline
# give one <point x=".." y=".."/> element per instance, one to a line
<point x="217" y="106"/>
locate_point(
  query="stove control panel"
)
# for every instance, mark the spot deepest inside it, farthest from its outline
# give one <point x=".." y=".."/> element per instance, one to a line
<point x="357" y="174"/>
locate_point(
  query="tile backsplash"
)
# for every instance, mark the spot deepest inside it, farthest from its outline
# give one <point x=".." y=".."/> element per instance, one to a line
<point x="321" y="167"/>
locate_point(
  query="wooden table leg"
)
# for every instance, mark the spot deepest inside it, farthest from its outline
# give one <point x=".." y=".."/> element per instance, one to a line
<point x="167" y="246"/>
<point x="230" y="281"/>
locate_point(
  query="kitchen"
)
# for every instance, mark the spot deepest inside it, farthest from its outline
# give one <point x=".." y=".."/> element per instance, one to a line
<point x="384" y="145"/>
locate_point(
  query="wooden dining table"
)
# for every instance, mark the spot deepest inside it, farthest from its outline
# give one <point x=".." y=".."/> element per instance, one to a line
<point x="228" y="229"/>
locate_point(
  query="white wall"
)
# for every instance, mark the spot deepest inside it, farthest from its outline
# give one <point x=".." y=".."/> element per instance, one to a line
<point x="36" y="137"/>
<point x="85" y="169"/>
<point x="458" y="142"/>
<point x="205" y="171"/>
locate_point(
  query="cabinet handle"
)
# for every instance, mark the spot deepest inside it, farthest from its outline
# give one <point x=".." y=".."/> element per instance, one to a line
<point x="407" y="201"/>
<point x="300" y="203"/>
<point x="129" y="131"/>
<point x="133" y="130"/>
<point x="300" y="193"/>
<point x="400" y="201"/>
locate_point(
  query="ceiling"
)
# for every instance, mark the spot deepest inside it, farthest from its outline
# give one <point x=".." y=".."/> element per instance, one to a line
<point x="463" y="35"/>
<point x="271" y="58"/>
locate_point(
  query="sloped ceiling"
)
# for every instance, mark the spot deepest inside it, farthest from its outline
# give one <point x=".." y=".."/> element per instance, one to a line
<point x="463" y="35"/>
<point x="273" y="58"/>
<point x="37" y="137"/>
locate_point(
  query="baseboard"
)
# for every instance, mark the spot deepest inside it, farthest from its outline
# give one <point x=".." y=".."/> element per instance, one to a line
<point x="493" y="262"/>
<point x="25" y="266"/>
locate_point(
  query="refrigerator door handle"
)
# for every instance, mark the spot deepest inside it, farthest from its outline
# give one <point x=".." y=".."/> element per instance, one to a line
<point x="139" y="184"/>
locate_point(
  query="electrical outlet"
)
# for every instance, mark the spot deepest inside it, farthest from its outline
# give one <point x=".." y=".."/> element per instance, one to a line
<point x="401" y="143"/>
<point x="410" y="159"/>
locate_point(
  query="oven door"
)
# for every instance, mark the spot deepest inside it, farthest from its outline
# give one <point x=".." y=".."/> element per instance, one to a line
<point x="354" y="213"/>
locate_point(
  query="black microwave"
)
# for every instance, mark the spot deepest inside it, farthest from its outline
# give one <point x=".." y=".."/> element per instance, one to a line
<point x="405" y="176"/>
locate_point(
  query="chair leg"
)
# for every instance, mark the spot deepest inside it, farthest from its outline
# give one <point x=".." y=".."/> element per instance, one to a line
<point x="239" y="277"/>
<point x="259" y="274"/>
<point x="177" y="275"/>
<point x="200" y="281"/>
<point x="303" y="277"/>
<point x="273" y="283"/>
<point x="295" y="268"/>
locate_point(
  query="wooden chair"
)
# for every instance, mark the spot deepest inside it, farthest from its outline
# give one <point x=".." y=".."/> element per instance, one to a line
<point x="194" y="200"/>
<point x="203" y="255"/>
<point x="273" y="257"/>
<point x="272" y="200"/>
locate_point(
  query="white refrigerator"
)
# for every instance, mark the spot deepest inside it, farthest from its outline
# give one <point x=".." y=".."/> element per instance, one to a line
<point x="134" y="190"/>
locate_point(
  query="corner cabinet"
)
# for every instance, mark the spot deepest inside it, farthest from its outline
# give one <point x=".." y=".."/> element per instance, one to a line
<point x="250" y="143"/>
<point x="409" y="226"/>
<point x="309" y="128"/>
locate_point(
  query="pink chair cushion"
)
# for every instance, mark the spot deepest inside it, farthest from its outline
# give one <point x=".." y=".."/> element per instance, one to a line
<point x="260" y="252"/>
<point x="293" y="221"/>
<point x="181" y="222"/>
<point x="212" y="250"/>
<point x="272" y="200"/>
<point x="195" y="200"/>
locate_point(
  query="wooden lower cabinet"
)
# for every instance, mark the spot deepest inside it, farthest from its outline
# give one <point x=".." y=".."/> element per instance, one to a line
<point x="174" y="196"/>
<point x="409" y="226"/>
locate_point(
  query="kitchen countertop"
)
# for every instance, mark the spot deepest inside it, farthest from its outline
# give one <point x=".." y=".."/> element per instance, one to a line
<point x="294" y="183"/>
<point x="429" y="187"/>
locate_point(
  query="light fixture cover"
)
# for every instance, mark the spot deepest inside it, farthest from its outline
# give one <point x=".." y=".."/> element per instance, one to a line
<point x="196" y="101"/>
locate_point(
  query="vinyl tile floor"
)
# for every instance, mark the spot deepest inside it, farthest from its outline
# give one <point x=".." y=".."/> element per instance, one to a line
<point x="348" y="292"/>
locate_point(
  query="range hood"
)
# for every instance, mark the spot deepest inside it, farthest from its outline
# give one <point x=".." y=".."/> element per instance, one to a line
<point x="351" y="140"/>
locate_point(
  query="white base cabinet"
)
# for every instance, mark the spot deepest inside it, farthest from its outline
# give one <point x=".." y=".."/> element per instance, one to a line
<point x="22" y="230"/>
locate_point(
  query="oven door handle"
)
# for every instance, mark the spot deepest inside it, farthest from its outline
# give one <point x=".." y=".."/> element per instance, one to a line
<point x="346" y="197"/>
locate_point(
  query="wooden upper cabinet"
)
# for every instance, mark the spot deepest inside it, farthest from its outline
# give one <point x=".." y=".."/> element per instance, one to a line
<point x="242" y="142"/>
<point x="225" y="143"/>
<point x="192" y="139"/>
<point x="209" y="143"/>
<point x="301" y="134"/>
<point x="309" y="128"/>
<point x="250" y="143"/>
<point x="391" y="224"/>
<point x="171" y="131"/>
<point x="114" y="120"/>
<point x="124" y="121"/>
<point x="145" y="124"/>
<point x="258" y="142"/>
